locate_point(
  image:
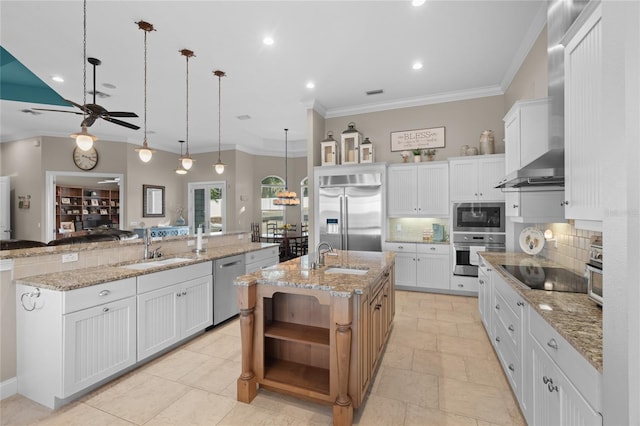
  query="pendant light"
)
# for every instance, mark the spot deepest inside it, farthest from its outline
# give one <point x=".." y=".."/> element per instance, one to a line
<point x="84" y="139"/>
<point x="145" y="153"/>
<point x="181" y="169"/>
<point x="286" y="197"/>
<point x="219" y="166"/>
<point x="186" y="160"/>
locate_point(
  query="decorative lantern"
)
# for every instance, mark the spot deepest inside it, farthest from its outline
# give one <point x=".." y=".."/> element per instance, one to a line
<point x="350" y="145"/>
<point x="366" y="151"/>
<point x="329" y="151"/>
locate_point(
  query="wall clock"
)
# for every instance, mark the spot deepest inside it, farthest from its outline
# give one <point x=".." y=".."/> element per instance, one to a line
<point x="85" y="160"/>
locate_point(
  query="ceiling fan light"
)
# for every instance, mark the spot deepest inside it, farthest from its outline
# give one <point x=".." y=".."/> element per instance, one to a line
<point x="219" y="166"/>
<point x="84" y="139"/>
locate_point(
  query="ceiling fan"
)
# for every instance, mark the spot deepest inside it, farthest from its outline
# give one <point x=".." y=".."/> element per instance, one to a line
<point x="94" y="111"/>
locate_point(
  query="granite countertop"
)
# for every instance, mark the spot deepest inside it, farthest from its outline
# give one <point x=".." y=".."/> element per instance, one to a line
<point x="404" y="240"/>
<point x="576" y="317"/>
<point x="296" y="273"/>
<point x="79" y="278"/>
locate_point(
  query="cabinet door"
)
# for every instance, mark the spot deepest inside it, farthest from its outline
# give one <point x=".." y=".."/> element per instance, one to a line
<point x="196" y="305"/>
<point x="490" y="171"/>
<point x="484" y="298"/>
<point x="512" y="142"/>
<point x="98" y="342"/>
<point x="433" y="271"/>
<point x="406" y="269"/>
<point x="512" y="204"/>
<point x="402" y="191"/>
<point x="433" y="190"/>
<point x="583" y="122"/>
<point x="463" y="180"/>
<point x="158" y="325"/>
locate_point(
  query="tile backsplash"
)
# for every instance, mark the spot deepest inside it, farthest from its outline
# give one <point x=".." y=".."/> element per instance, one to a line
<point x="573" y="245"/>
<point x="412" y="229"/>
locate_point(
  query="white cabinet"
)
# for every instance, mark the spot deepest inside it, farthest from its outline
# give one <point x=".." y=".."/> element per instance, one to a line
<point x="256" y="260"/>
<point x="535" y="207"/>
<point x="485" y="294"/>
<point x="421" y="265"/>
<point x="473" y="178"/>
<point x="418" y="189"/>
<point x="5" y="211"/>
<point x="69" y="340"/>
<point x="173" y="305"/>
<point x="583" y="124"/>
<point x="526" y="133"/>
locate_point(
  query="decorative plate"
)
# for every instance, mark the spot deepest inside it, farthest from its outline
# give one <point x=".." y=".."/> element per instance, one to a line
<point x="531" y="240"/>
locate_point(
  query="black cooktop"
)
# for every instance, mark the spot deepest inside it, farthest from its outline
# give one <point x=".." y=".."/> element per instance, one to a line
<point x="547" y="278"/>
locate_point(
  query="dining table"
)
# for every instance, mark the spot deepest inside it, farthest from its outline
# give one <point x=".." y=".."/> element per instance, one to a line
<point x="286" y="239"/>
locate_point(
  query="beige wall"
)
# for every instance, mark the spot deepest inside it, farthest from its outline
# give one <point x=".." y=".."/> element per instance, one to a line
<point x="464" y="121"/>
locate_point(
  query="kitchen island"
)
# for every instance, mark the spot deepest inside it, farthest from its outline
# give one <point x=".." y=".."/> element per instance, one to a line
<point x="316" y="333"/>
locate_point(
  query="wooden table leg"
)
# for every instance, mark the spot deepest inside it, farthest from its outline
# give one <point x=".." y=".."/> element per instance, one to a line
<point x="342" y="407"/>
<point x="247" y="382"/>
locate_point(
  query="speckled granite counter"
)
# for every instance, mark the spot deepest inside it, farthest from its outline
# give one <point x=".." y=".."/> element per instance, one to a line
<point x="416" y="241"/>
<point x="70" y="280"/>
<point x="574" y="316"/>
<point x="296" y="273"/>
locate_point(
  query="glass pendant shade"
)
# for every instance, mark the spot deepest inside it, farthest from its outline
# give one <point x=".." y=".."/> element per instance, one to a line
<point x="145" y="153"/>
<point x="180" y="170"/>
<point x="286" y="197"/>
<point x="219" y="166"/>
<point x="84" y="139"/>
<point x="187" y="163"/>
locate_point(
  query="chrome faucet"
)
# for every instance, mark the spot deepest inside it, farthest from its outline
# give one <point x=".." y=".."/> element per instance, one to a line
<point x="321" y="254"/>
<point x="147" y="242"/>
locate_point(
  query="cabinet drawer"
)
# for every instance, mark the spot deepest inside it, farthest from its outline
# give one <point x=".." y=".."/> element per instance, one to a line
<point x="577" y="369"/>
<point x="433" y="248"/>
<point x="98" y="294"/>
<point x="508" y="320"/>
<point x="169" y="277"/>
<point x="509" y="358"/>
<point x="257" y="265"/>
<point x="510" y="296"/>
<point x="400" y="247"/>
<point x="261" y="255"/>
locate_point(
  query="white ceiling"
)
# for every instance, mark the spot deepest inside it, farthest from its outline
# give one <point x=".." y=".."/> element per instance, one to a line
<point x="469" y="49"/>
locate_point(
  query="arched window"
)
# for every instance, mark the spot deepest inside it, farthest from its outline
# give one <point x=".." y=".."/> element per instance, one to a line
<point x="268" y="211"/>
<point x="304" y="200"/>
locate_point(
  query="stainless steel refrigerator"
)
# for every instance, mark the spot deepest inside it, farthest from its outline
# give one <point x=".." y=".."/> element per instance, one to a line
<point x="350" y="211"/>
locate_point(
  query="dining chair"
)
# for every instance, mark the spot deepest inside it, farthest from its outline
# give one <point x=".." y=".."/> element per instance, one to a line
<point x="255" y="232"/>
<point x="272" y="229"/>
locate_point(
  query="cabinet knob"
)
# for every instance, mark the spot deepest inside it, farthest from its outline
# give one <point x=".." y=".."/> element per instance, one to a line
<point x="105" y="309"/>
<point x="545" y="380"/>
<point x="511" y="327"/>
<point x="481" y="194"/>
<point x="432" y="248"/>
<point x="512" y="367"/>
<point x="480" y="282"/>
<point x="498" y="307"/>
<point x="476" y="194"/>
<point x="460" y="285"/>
<point x="552" y="344"/>
<point x="104" y="293"/>
<point x="520" y="303"/>
<point x="552" y="387"/>
<point x="184" y="293"/>
<point x="564" y="203"/>
<point x="515" y="206"/>
<point x="378" y="306"/>
<point x="498" y="339"/>
<point x="178" y="294"/>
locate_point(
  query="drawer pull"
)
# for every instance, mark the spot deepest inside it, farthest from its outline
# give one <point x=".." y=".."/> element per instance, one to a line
<point x="498" y="307"/>
<point x="378" y="306"/>
<point x="432" y="248"/>
<point x="511" y="327"/>
<point x="498" y="339"/>
<point x="552" y="387"/>
<point x="178" y="294"/>
<point x="105" y="309"/>
<point x="401" y="247"/>
<point x="481" y="282"/>
<point x="545" y="380"/>
<point x="511" y="367"/>
<point x="184" y="293"/>
<point x="553" y="344"/>
<point x="460" y="285"/>
<point x="104" y="293"/>
<point x="520" y="303"/>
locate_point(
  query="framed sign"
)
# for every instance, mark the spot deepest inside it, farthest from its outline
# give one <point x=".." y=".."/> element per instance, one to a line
<point x="407" y="140"/>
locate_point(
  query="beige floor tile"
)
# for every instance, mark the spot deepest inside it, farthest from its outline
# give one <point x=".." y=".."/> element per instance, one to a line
<point x="465" y="347"/>
<point x="486" y="372"/>
<point x="473" y="400"/>
<point x="455" y="317"/>
<point x="305" y="411"/>
<point x="18" y="410"/>
<point x="249" y="414"/>
<point x="472" y="331"/>
<point x="439" y="364"/>
<point x="81" y="414"/>
<point x="412" y="339"/>
<point x="441" y="305"/>
<point x="402" y="320"/>
<point x="437" y="327"/>
<point x="416" y="311"/>
<point x="176" y="364"/>
<point x="138" y="398"/>
<point x="231" y="328"/>
<point x="421" y="416"/>
<point x="407" y="386"/>
<point x="213" y="376"/>
<point x="464" y="306"/>
<point x="380" y="411"/>
<point x="398" y="356"/>
<point x="221" y="346"/>
<point x="196" y="407"/>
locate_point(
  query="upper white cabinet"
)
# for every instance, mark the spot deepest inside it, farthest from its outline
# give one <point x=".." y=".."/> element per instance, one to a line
<point x="536" y="206"/>
<point x="419" y="189"/>
<point x="526" y="133"/>
<point x="474" y="178"/>
<point x="583" y="124"/>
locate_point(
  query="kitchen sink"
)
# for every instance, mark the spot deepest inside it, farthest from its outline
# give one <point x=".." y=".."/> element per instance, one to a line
<point x="341" y="270"/>
<point x="156" y="263"/>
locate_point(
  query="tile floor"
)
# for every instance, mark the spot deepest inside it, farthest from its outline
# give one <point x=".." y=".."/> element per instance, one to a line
<point x="438" y="369"/>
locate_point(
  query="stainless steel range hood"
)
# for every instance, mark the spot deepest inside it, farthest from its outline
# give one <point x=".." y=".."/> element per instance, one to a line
<point x="548" y="169"/>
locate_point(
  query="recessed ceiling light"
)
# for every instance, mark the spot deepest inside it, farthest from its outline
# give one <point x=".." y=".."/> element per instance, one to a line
<point x="57" y="79"/>
<point x="417" y="3"/>
<point x="311" y="85"/>
<point x="417" y="65"/>
<point x="109" y="85"/>
<point x="268" y="41"/>
<point x="243" y="117"/>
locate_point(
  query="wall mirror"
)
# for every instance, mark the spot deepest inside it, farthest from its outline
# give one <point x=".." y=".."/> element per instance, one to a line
<point x="152" y="201"/>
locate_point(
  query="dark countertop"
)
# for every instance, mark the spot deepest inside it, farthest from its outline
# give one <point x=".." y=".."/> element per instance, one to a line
<point x="576" y="317"/>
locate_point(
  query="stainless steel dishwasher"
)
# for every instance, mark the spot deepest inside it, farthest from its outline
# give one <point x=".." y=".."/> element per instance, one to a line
<point x="225" y="303"/>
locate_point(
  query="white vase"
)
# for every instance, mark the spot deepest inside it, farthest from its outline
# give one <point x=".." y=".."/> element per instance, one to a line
<point x="416" y="159"/>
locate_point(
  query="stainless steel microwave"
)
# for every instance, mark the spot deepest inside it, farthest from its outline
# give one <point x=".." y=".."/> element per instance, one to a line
<point x="478" y="217"/>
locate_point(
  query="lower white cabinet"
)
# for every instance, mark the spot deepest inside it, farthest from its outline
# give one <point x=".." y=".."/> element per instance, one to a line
<point x="256" y="260"/>
<point x="421" y="265"/>
<point x="484" y="294"/>
<point x="180" y="304"/>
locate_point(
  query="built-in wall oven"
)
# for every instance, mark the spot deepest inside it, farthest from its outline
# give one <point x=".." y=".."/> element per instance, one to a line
<point x="594" y="272"/>
<point x="466" y="247"/>
<point x="478" y="217"/>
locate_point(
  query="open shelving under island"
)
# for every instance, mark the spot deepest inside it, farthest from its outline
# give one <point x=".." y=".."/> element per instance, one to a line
<point x="316" y="333"/>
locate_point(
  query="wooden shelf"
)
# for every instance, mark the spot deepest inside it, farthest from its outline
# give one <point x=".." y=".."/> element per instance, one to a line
<point x="298" y="333"/>
<point x="298" y="375"/>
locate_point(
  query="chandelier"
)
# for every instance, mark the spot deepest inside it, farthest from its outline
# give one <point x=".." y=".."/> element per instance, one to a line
<point x="286" y="197"/>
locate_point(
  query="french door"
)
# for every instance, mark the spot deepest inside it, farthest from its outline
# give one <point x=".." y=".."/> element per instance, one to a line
<point x="207" y="206"/>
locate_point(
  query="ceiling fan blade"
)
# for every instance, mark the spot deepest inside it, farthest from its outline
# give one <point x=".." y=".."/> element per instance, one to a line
<point x="57" y="110"/>
<point x="82" y="107"/>
<point x="121" y="123"/>
<point x="121" y="114"/>
<point x="89" y="120"/>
